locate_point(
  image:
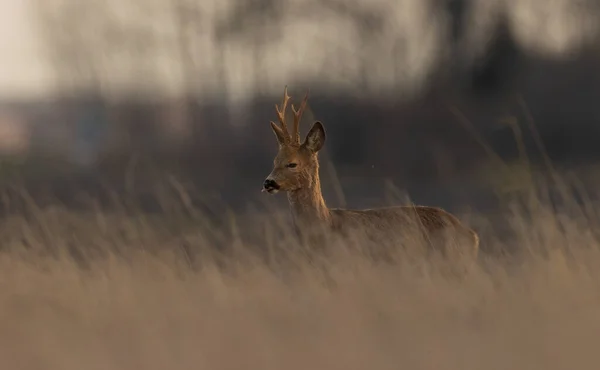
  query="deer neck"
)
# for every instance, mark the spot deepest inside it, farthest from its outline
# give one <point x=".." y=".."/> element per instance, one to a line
<point x="307" y="204"/>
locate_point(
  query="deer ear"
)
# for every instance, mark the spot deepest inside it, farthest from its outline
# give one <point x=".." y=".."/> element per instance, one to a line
<point x="315" y="139"/>
<point x="279" y="134"/>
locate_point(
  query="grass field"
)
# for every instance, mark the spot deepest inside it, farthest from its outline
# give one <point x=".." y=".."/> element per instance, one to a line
<point x="120" y="290"/>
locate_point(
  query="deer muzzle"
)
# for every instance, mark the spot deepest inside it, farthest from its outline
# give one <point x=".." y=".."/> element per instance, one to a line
<point x="270" y="186"/>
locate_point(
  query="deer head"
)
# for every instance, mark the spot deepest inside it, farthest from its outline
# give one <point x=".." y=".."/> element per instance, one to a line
<point x="296" y="165"/>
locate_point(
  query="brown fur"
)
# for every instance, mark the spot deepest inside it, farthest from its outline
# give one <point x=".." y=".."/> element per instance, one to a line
<point x="303" y="187"/>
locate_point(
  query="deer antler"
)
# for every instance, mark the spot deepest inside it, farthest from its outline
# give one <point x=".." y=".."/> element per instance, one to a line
<point x="297" y="117"/>
<point x="281" y="112"/>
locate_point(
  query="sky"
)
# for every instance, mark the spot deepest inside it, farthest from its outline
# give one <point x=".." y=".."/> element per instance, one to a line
<point x="23" y="72"/>
<point x="330" y="48"/>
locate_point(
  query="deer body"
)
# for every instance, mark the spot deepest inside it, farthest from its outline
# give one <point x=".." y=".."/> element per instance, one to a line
<point x="296" y="171"/>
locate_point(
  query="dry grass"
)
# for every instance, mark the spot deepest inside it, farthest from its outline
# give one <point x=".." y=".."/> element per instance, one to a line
<point x="128" y="304"/>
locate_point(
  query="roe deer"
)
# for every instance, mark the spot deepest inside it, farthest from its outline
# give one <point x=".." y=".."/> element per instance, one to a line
<point x="296" y="171"/>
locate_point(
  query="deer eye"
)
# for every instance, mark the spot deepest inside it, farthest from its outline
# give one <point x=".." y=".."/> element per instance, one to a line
<point x="291" y="165"/>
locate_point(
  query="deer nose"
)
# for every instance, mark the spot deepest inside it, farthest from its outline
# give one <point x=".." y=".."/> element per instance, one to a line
<point x="270" y="185"/>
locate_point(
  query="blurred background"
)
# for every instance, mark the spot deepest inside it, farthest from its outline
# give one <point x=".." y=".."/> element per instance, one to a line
<point x="439" y="98"/>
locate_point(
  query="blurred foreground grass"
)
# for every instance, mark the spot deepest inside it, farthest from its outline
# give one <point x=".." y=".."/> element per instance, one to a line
<point x="122" y="289"/>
